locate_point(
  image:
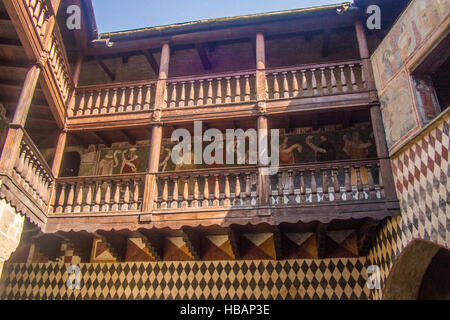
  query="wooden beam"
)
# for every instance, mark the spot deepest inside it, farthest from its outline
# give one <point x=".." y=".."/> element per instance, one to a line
<point x="80" y="141"/>
<point x="131" y="139"/>
<point x="102" y="139"/>
<point x="151" y="60"/>
<point x="105" y="68"/>
<point x="203" y="56"/>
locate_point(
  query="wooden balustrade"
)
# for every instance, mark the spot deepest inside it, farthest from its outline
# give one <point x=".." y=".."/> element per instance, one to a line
<point x="39" y="13"/>
<point x="32" y="173"/>
<point x="230" y="187"/>
<point x="118" y="193"/>
<point x="115" y="98"/>
<point x="351" y="180"/>
<point x="315" y="80"/>
<point x="211" y="89"/>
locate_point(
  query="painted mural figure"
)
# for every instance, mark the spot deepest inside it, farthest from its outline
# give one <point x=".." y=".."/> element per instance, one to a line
<point x="357" y="149"/>
<point x="287" y="152"/>
<point x="130" y="161"/>
<point x="165" y="161"/>
<point x="324" y="151"/>
<point x="107" y="165"/>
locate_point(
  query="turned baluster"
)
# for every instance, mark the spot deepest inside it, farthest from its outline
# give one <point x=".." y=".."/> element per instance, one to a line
<point x="247" y="94"/>
<point x="248" y="189"/>
<point x="324" y="81"/>
<point x="122" y="99"/>
<point x="237" y="189"/>
<point x="126" y="196"/>
<point x="139" y="99"/>
<point x="201" y="93"/>
<point x="174" y="204"/>
<point x="237" y="96"/>
<point x="291" y="188"/>
<point x="89" y="103"/>
<point x="173" y="96"/>
<point x="148" y="97"/>
<point x="348" y="186"/>
<point x="380" y="179"/>
<point x="135" y="204"/>
<point x="205" y="202"/>
<point x="325" y="185"/>
<point x="304" y="83"/>
<point x="219" y="91"/>
<point x="113" y="105"/>
<point x="104" y="109"/>
<point x="191" y="93"/>
<point x="130" y="105"/>
<point x="88" y="202"/>
<point x="343" y="79"/>
<point x="333" y="80"/>
<point x="70" y="198"/>
<point x="20" y="164"/>
<point x="314" y="197"/>
<point x="228" y="90"/>
<point x="116" y="197"/>
<point x="185" y="202"/>
<point x="209" y="98"/>
<point x="302" y="186"/>
<point x="280" y="188"/>
<point x="315" y="90"/>
<point x="285" y="85"/>
<point x="227" y="191"/>
<point x="266" y="83"/>
<point x="295" y="89"/>
<point x="107" y="203"/>
<point x="98" y="197"/>
<point x="182" y="101"/>
<point x="372" y="193"/>
<point x="195" y="196"/>
<point x="81" y="104"/>
<point x="165" y="193"/>
<point x="216" y="201"/>
<point x="78" y="198"/>
<point x="30" y="169"/>
<point x="98" y="101"/>
<point x="353" y="78"/>
<point x="276" y="86"/>
<point x="336" y="186"/>
<point x="61" y="199"/>
<point x="359" y="183"/>
<point x="363" y="77"/>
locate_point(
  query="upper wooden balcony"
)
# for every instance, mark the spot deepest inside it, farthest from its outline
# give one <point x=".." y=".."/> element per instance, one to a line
<point x="233" y="94"/>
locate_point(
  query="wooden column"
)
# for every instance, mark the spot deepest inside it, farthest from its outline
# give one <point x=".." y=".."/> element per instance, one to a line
<point x="15" y="132"/>
<point x="263" y="143"/>
<point x="383" y="153"/>
<point x="364" y="54"/>
<point x="59" y="153"/>
<point x="76" y="78"/>
<point x="151" y="190"/>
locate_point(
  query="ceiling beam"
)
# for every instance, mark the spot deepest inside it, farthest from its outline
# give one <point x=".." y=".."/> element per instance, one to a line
<point x="102" y="139"/>
<point x="105" y="68"/>
<point x="79" y="140"/>
<point x="151" y="60"/>
<point x="10" y="42"/>
<point x="131" y="139"/>
<point x="203" y="56"/>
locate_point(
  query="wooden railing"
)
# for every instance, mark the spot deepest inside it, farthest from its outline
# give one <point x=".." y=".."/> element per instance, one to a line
<point x="211" y="89"/>
<point x="117" y="193"/>
<point x="39" y="13"/>
<point x="32" y="173"/>
<point x="315" y="80"/>
<point x="230" y="187"/>
<point x="115" y="98"/>
<point x="330" y="182"/>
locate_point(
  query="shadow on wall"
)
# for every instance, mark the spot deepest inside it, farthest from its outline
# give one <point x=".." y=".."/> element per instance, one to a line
<point x="420" y="273"/>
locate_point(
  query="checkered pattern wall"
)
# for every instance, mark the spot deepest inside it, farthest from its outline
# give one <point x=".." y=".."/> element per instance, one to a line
<point x="340" y="278"/>
<point x="422" y="179"/>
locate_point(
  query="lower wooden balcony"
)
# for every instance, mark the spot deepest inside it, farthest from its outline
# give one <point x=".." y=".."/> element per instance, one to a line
<point x="320" y="192"/>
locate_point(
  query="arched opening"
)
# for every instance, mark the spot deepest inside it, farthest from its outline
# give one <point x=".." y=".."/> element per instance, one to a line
<point x="70" y="164"/>
<point x="420" y="272"/>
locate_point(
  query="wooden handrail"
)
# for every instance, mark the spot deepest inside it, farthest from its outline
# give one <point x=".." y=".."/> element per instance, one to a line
<point x="313" y="66"/>
<point x="205" y="171"/>
<point x="115" y="177"/>
<point x="96" y="87"/>
<point x="211" y="76"/>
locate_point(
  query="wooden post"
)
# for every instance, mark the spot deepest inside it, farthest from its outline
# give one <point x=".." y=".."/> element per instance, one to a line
<point x="383" y="153"/>
<point x="15" y="132"/>
<point x="364" y="54"/>
<point x="59" y="153"/>
<point x="260" y="68"/>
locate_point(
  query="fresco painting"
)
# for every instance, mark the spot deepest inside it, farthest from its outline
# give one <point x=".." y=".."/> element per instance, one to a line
<point x="122" y="160"/>
<point x="397" y="108"/>
<point x="426" y="100"/>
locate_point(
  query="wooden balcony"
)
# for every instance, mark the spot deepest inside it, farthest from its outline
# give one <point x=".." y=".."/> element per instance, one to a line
<point x="225" y="95"/>
<point x="319" y="192"/>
